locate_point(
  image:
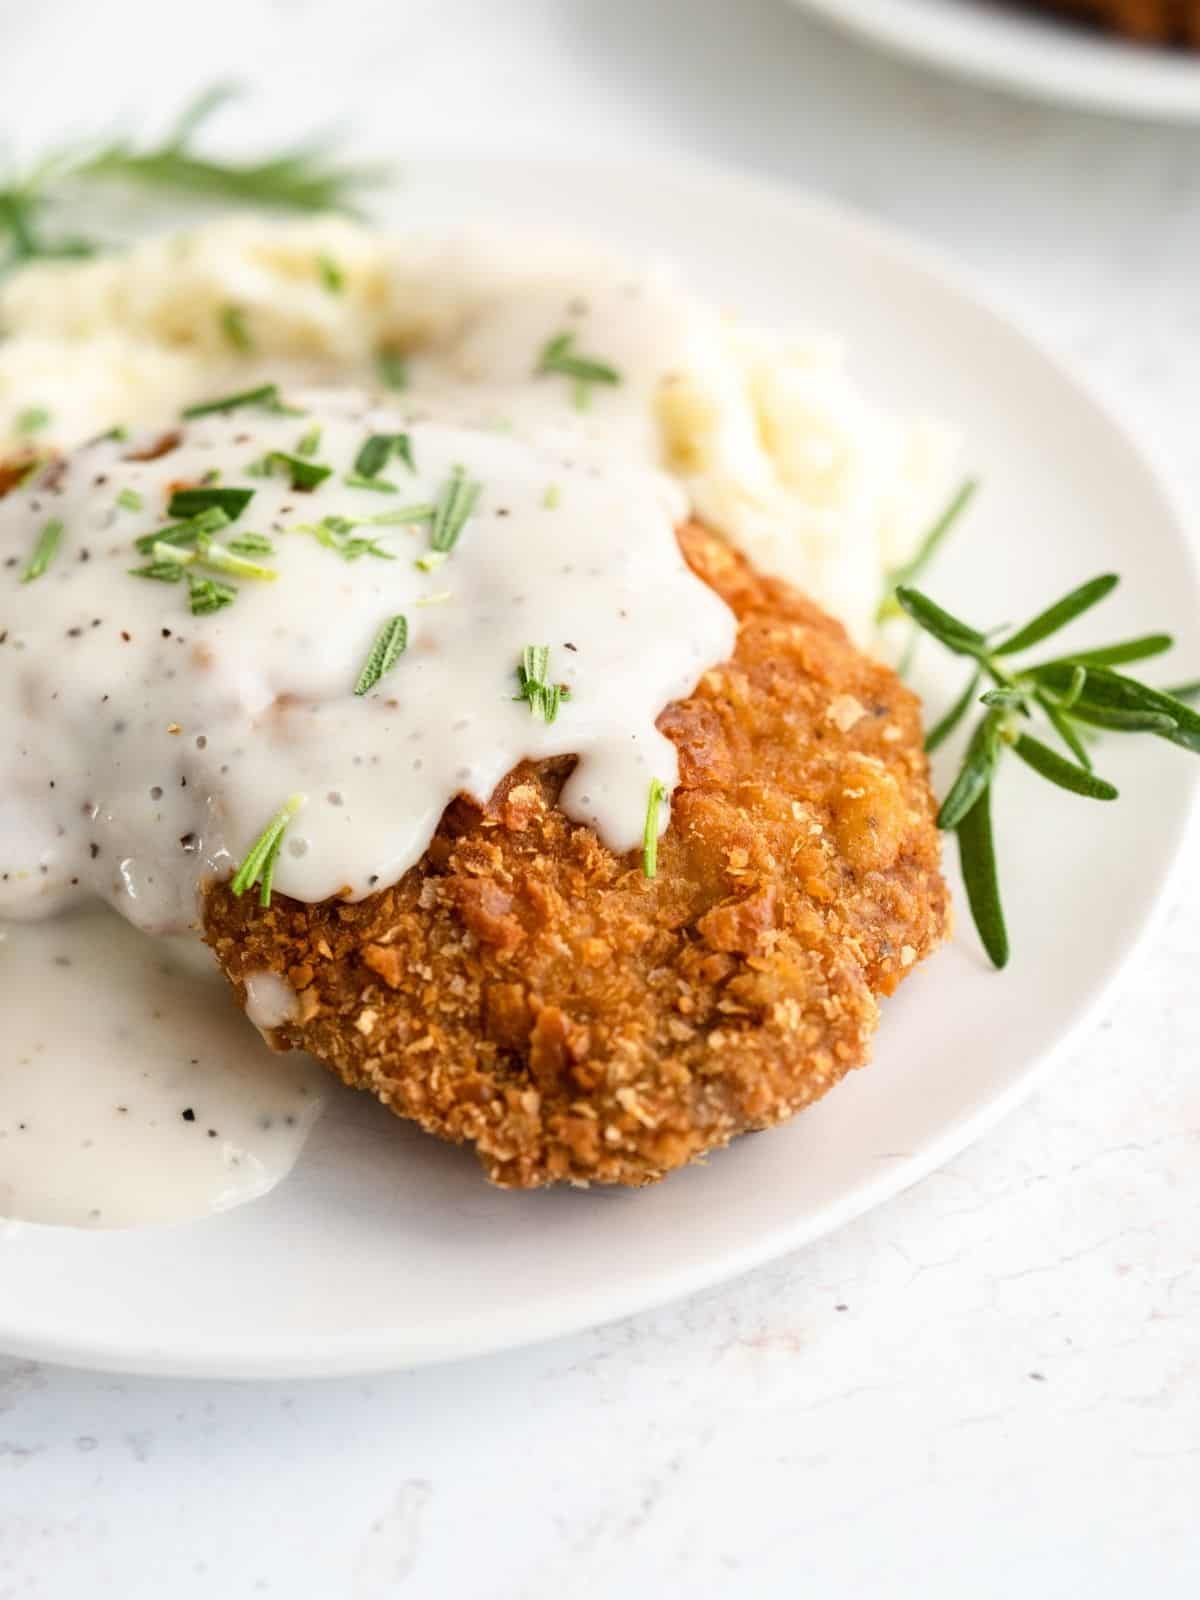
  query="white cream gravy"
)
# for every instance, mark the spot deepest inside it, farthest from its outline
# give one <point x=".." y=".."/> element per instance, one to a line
<point x="131" y="1091"/>
<point x="150" y="747"/>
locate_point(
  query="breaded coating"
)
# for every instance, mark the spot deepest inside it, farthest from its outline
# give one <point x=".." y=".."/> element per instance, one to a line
<point x="525" y="990"/>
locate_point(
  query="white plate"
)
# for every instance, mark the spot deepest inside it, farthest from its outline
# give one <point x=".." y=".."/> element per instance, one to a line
<point x="386" y="1248"/>
<point x="1048" y="57"/>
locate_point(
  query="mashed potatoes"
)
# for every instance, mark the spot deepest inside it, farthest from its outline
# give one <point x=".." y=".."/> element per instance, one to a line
<point x="772" y="442"/>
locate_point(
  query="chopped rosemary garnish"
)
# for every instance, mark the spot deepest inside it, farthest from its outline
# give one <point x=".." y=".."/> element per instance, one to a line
<point x="558" y="356"/>
<point x="430" y="561"/>
<point x="455" y="504"/>
<point x="332" y="277"/>
<point x="1073" y="693"/>
<point x="303" y="474"/>
<point x="335" y="533"/>
<point x="658" y="793"/>
<point x="44" y="550"/>
<point x="309" y="443"/>
<point x="543" y="697"/>
<point x="190" y="502"/>
<point x="211" y="520"/>
<point x="130" y="500"/>
<point x="392" y="368"/>
<point x="233" y="326"/>
<point x="378" y="451"/>
<point x="390" y="644"/>
<point x="209" y="594"/>
<point x="424" y="512"/>
<point x="258" y="865"/>
<point x="191" y="543"/>
<point x="223" y="559"/>
<point x="266" y="395"/>
<point x="32" y="420"/>
<point x="164" y="571"/>
<point x="177" y="555"/>
<point x="252" y="544"/>
<point x="355" y="480"/>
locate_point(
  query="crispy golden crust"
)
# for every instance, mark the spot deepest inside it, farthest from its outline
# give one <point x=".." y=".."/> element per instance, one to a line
<point x="525" y="990"/>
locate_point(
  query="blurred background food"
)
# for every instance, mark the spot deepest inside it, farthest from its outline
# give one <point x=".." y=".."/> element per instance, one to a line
<point x="1152" y="21"/>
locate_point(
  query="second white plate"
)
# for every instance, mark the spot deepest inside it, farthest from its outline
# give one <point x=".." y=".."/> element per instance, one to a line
<point x="1043" y="56"/>
<point x="385" y="1248"/>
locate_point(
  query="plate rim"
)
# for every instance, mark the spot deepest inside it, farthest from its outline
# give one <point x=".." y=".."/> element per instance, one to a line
<point x="359" y="1354"/>
<point x="1015" y="53"/>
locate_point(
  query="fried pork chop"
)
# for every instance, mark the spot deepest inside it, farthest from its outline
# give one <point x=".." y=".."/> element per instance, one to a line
<point x="526" y="991"/>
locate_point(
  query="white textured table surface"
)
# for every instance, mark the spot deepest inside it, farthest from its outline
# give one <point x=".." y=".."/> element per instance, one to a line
<point x="989" y="1387"/>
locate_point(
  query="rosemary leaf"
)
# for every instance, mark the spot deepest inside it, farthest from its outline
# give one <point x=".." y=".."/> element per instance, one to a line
<point x="658" y="793"/>
<point x="1047" y="762"/>
<point x="1059" y="614"/>
<point x="977" y="858"/>
<point x="44" y="550"/>
<point x="258" y="866"/>
<point x="976" y="773"/>
<point x="390" y="644"/>
<point x="945" y="628"/>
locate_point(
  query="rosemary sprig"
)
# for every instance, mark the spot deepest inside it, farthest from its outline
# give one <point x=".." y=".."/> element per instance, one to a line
<point x="543" y="696"/>
<point x="1073" y="693"/>
<point x="22" y="203"/>
<point x="933" y="540"/>
<point x="302" y="178"/>
<point x="258" y="866"/>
